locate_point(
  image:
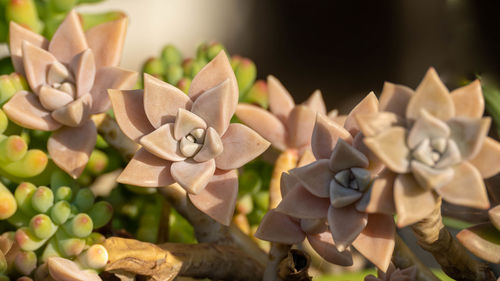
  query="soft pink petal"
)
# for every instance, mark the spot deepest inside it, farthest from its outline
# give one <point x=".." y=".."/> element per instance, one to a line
<point x="380" y="197"/>
<point x="241" y="145"/>
<point x="36" y="62"/>
<point x="25" y="110"/>
<point x="279" y="228"/>
<point x="325" y="136"/>
<point x="346" y="224"/>
<point x="110" y="78"/>
<point x="432" y="96"/>
<point x="368" y="105"/>
<point x="84" y="69"/>
<point x="70" y="147"/>
<point x="18" y="34"/>
<point x="316" y="102"/>
<point x="147" y="170"/>
<point x="315" y="177"/>
<point x="191" y="175"/>
<point x="280" y="101"/>
<point x="128" y="107"/>
<point x="487" y="161"/>
<point x="468" y="100"/>
<point x="344" y="156"/>
<point x="376" y="241"/>
<point x="469" y="134"/>
<point x="323" y="244"/>
<point x="106" y="41"/>
<point x="218" y="198"/>
<point x="215" y="106"/>
<point x="390" y="147"/>
<point x="300" y="203"/>
<point x="466" y="188"/>
<point x="394" y="98"/>
<point x="161" y="143"/>
<point x="214" y="73"/>
<point x="69" y="39"/>
<point x="162" y="101"/>
<point x="74" y="113"/>
<point x="413" y="203"/>
<point x="300" y="125"/>
<point x="264" y="123"/>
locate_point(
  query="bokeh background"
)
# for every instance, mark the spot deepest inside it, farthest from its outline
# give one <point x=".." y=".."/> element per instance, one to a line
<point x="344" y="48"/>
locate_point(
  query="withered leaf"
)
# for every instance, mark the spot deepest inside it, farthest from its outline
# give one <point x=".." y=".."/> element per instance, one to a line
<point x="132" y="256"/>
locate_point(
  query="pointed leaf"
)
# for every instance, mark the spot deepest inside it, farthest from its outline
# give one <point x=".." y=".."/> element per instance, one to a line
<point x="18" y="34"/>
<point x="371" y="124"/>
<point x="483" y="240"/>
<point x="494" y="214"/>
<point x="315" y="177"/>
<point x="380" y="197"/>
<point x="70" y="147"/>
<point x="279" y="228"/>
<point x="323" y="244"/>
<point x="106" y="41"/>
<point x="147" y="170"/>
<point x="161" y="143"/>
<point x="344" y="156"/>
<point x="74" y="113"/>
<point x="280" y="101"/>
<point x="69" y="39"/>
<point x="325" y="136"/>
<point x="316" y="102"/>
<point x="429" y="177"/>
<point x="468" y="100"/>
<point x="390" y="147"/>
<point x="469" y="134"/>
<point x="300" y="125"/>
<point x="191" y="175"/>
<point x="110" y="78"/>
<point x="345" y="224"/>
<point x="487" y="160"/>
<point x="212" y="146"/>
<point x="218" y="199"/>
<point x="427" y="126"/>
<point x="36" y="62"/>
<point x="300" y="203"/>
<point x="368" y="105"/>
<point x="394" y="98"/>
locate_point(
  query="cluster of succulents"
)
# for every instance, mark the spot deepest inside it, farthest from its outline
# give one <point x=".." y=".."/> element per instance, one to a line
<point x="340" y="182"/>
<point x="54" y="222"/>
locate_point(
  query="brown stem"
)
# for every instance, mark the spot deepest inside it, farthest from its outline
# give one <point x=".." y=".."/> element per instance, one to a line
<point x="213" y="261"/>
<point x="403" y="257"/>
<point x="286" y="161"/>
<point x="277" y="253"/>
<point x="295" y="266"/>
<point x="454" y="259"/>
<point x="111" y="132"/>
<point x="209" y="231"/>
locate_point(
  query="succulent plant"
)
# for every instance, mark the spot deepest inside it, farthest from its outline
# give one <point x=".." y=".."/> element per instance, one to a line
<point x="434" y="143"/>
<point x="69" y="77"/>
<point x="394" y="274"/>
<point x="330" y="197"/>
<point x="54" y="223"/>
<point x="188" y="139"/>
<point x="287" y="126"/>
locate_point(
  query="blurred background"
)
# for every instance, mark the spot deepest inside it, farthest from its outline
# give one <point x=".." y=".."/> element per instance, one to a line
<point x="344" y="48"/>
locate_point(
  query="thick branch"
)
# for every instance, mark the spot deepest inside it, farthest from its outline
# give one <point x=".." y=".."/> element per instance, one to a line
<point x="209" y="231"/>
<point x="216" y="262"/>
<point x="286" y="161"/>
<point x="403" y="258"/>
<point x="111" y="132"/>
<point x="454" y="259"/>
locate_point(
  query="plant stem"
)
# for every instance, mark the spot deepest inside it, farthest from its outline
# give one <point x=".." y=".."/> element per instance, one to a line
<point x="111" y="132"/>
<point x="403" y="258"/>
<point x="286" y="161"/>
<point x="454" y="259"/>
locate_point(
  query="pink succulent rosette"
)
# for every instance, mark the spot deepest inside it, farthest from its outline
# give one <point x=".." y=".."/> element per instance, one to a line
<point x="395" y="274"/>
<point x="68" y="77"/>
<point x="434" y="144"/>
<point x="328" y="201"/>
<point x="188" y="139"/>
<point x="286" y="125"/>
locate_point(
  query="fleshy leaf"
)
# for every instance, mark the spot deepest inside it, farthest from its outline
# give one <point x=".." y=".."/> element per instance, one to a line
<point x="469" y="134"/>
<point x="316" y="102"/>
<point x="161" y="143"/>
<point x="323" y="244"/>
<point x="315" y="177"/>
<point x="376" y="241"/>
<point x="429" y="177"/>
<point x="69" y="39"/>
<point x="212" y="146"/>
<point x="368" y="105"/>
<point x="390" y="147"/>
<point x="146" y="170"/>
<point x="427" y="126"/>
<point x="241" y="145"/>
<point x="63" y="269"/>
<point x="380" y="197"/>
<point x="394" y="98"/>
<point x="218" y="198"/>
<point x="300" y="203"/>
<point x="106" y="41"/>
<point x="300" y="125"/>
<point x="487" y="161"/>
<point x="279" y="228"/>
<point x="344" y="156"/>
<point x="432" y="96"/>
<point x="325" y="136"/>
<point x="74" y="113"/>
<point x="70" y="147"/>
<point x="128" y="107"/>
<point x="466" y="188"/>
<point x="280" y="101"/>
<point x="52" y="99"/>
<point x="371" y="124"/>
<point x="468" y="100"/>
<point x="185" y="122"/>
<point x="18" y="34"/>
<point x="110" y="78"/>
<point x="25" y="110"/>
<point x="162" y="101"/>
<point x="413" y="203"/>
<point x="483" y="240"/>
<point x="83" y="66"/>
<point x="36" y="62"/>
<point x="346" y="224"/>
<point x="264" y="123"/>
<point x="191" y="175"/>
